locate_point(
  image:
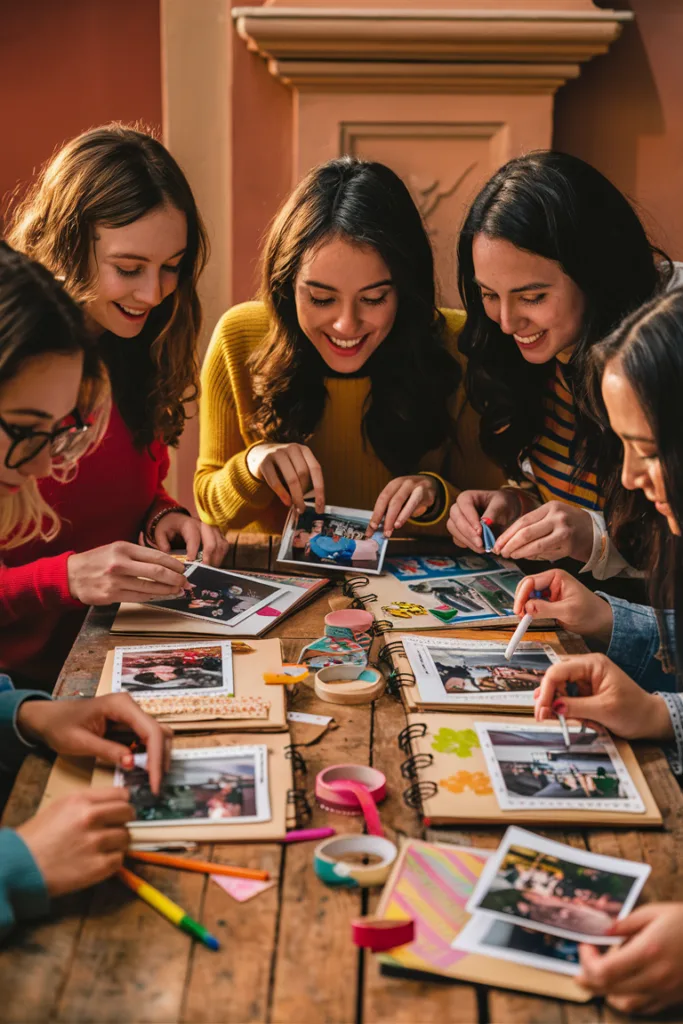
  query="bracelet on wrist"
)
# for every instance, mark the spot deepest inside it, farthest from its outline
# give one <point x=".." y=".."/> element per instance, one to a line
<point x="154" y="522"/>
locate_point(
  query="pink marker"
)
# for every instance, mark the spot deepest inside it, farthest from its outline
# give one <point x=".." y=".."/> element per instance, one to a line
<point x="303" y="835"/>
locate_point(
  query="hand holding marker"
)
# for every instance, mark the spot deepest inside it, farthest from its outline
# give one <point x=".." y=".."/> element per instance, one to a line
<point x="518" y="635"/>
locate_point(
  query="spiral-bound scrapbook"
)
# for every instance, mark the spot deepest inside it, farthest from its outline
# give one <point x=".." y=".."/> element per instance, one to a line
<point x="459" y="768"/>
<point x="286" y="775"/>
<point x="456" y="678"/>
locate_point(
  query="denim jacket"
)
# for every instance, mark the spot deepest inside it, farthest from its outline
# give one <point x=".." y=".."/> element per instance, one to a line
<point x="643" y="644"/>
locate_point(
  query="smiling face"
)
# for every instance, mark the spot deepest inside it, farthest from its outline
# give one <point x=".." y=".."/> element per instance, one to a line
<point x="530" y="297"/>
<point x="642" y="466"/>
<point x="345" y="302"/>
<point x="39" y="397"/>
<point x="135" y="268"/>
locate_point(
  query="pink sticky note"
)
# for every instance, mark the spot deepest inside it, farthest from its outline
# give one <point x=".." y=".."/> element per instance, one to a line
<point x="241" y="889"/>
<point x="272" y="612"/>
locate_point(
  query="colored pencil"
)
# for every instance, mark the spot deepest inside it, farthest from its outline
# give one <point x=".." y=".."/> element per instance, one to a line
<point x="167" y="908"/>
<point x="205" y="867"/>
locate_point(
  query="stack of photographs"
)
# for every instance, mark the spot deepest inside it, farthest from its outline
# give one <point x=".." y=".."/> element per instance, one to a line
<point x="475" y="673"/>
<point x="537" y="899"/>
<point x="203" y="786"/>
<point x="334" y="539"/>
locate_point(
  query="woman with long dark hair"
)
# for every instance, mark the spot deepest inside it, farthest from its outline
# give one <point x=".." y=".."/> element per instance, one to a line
<point x="345" y="378"/>
<point x="552" y="257"/>
<point x="54" y="396"/>
<point x="114" y="218"/>
<point x="639" y="374"/>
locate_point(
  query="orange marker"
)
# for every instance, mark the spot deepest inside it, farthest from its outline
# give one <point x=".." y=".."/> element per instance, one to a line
<point x="204" y="867"/>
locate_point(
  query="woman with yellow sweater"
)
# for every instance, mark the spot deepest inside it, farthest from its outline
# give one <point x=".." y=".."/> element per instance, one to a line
<point x="346" y="379"/>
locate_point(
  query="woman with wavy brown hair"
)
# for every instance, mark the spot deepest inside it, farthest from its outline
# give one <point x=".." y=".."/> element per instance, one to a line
<point x="345" y="379"/>
<point x="113" y="217"/>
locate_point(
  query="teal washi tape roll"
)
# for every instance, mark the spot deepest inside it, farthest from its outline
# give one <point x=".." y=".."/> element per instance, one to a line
<point x="352" y="861"/>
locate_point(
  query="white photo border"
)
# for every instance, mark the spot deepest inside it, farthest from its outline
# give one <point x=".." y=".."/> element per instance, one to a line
<point x="472" y="939"/>
<point x="226" y="690"/>
<point x="630" y="804"/>
<point x="516" y="836"/>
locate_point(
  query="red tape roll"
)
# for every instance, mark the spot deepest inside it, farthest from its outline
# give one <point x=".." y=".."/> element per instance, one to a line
<point x="380" y="933"/>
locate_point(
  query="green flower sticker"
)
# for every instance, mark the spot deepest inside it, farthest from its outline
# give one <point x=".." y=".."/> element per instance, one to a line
<point x="459" y="742"/>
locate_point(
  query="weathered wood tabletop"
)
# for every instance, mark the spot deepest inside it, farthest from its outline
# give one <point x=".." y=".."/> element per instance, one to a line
<point x="286" y="956"/>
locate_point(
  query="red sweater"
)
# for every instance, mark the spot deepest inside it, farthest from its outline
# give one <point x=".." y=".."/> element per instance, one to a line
<point x="116" y="490"/>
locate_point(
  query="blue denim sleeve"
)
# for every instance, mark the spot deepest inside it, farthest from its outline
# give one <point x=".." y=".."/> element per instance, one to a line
<point x="636" y="644"/>
<point x="23" y="894"/>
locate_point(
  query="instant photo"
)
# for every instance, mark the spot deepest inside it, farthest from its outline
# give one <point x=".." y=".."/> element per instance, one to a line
<point x="204" y="786"/>
<point x="546" y="886"/>
<point x="462" y="672"/>
<point x="221" y="597"/>
<point x="506" y="941"/>
<point x="334" y="539"/>
<point x="533" y="767"/>
<point x="482" y="596"/>
<point x="174" y="670"/>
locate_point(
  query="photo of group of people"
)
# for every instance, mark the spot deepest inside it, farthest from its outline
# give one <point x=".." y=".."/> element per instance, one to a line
<point x="156" y="671"/>
<point x="437" y="566"/>
<point x="533" y="765"/>
<point x="462" y="672"/>
<point x="203" y="786"/>
<point x="466" y="598"/>
<point x="550" y="887"/>
<point x="220" y="596"/>
<point x="335" y="538"/>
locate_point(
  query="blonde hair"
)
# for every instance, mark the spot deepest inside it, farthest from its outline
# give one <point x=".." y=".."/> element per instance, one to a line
<point x="38" y="318"/>
<point x="113" y="175"/>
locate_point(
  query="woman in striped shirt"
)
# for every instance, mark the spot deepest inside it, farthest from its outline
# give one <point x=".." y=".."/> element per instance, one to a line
<point x="552" y="257"/>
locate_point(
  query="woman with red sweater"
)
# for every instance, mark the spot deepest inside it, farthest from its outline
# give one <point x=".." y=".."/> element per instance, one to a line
<point x="113" y="217"/>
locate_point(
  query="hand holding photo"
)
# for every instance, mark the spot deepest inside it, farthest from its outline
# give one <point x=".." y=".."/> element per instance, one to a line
<point x="204" y="786"/>
<point x="176" y="670"/>
<point x="220" y="597"/>
<point x="463" y="672"/>
<point x="335" y="539"/>
<point x="546" y="886"/>
<point x="533" y="766"/>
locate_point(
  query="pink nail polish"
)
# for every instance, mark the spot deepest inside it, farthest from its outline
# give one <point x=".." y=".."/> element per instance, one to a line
<point x="560" y="707"/>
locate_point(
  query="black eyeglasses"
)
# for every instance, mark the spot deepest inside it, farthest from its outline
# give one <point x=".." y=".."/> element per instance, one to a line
<point x="28" y="443"/>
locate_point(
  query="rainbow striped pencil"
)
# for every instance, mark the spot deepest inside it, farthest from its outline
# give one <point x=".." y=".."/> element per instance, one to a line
<point x="167" y="908"/>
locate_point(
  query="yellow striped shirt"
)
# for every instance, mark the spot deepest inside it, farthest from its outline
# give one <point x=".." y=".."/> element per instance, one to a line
<point x="552" y="455"/>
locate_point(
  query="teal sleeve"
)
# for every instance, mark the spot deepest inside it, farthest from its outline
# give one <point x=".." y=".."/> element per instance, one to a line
<point x="23" y="894"/>
<point x="13" y="748"/>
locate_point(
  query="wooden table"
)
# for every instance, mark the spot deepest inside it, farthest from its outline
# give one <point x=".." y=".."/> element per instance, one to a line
<point x="286" y="955"/>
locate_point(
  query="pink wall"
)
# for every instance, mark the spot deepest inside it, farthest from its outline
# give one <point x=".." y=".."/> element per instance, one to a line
<point x="625" y="116"/>
<point x="67" y="66"/>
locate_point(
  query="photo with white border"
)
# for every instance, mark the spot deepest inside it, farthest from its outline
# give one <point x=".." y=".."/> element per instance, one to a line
<point x="203" y="786"/>
<point x="178" y="670"/>
<point x="333" y="539"/>
<point x="504" y="940"/>
<point x="462" y="672"/>
<point x="531" y="766"/>
<point x="547" y="886"/>
<point x="220" y="597"/>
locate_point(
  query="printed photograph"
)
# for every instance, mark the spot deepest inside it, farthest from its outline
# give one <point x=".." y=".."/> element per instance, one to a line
<point x="534" y="764"/>
<point x="507" y="941"/>
<point x="485" y="596"/>
<point x="219" y="596"/>
<point x="436" y="566"/>
<point x="203" y="786"/>
<point x="165" y="669"/>
<point x="547" y="886"/>
<point x="334" y="539"/>
<point x="472" y="671"/>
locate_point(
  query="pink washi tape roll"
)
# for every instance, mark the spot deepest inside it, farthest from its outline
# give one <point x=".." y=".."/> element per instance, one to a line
<point x="353" y="789"/>
<point x="350" y="624"/>
<point x="381" y="933"/>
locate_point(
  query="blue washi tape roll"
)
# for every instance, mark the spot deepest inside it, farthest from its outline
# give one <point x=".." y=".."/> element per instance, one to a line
<point x="339" y="861"/>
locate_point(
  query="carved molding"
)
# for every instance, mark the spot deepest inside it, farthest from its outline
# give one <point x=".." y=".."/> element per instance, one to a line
<point x="439" y="50"/>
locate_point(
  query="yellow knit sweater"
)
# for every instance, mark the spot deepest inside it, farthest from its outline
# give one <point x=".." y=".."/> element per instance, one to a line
<point x="229" y="497"/>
